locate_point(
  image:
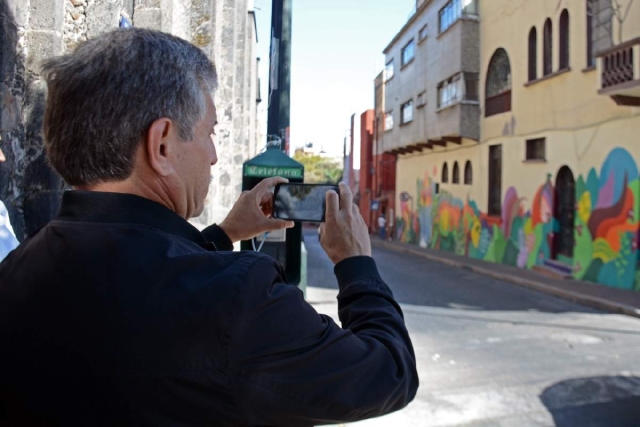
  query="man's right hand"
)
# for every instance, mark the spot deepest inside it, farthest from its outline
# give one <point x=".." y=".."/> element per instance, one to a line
<point x="344" y="233"/>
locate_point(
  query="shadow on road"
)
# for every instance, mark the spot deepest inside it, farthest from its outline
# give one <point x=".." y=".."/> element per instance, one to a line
<point x="608" y="401"/>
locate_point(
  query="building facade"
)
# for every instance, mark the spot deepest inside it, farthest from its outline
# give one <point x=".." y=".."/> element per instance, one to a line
<point x="432" y="110"/>
<point x="36" y="29"/>
<point x="554" y="182"/>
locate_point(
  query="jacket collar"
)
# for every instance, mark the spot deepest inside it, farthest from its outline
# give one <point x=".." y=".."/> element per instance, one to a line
<point x="118" y="208"/>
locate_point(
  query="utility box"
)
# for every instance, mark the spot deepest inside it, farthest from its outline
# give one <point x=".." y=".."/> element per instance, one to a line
<point x="283" y="245"/>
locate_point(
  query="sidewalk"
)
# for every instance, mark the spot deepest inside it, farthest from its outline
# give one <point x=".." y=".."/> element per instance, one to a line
<point x="585" y="293"/>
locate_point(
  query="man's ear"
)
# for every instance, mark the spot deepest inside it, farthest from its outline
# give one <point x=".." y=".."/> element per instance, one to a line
<point x="160" y="142"/>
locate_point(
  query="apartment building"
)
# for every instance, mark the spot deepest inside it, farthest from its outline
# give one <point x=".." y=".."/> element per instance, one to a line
<point x="554" y="183"/>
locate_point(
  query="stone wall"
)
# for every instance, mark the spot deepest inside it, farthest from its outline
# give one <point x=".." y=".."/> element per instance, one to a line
<point x="36" y="29"/>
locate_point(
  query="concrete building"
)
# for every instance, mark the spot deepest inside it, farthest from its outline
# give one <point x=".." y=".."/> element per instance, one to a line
<point x="35" y="29"/>
<point x="432" y="110"/>
<point x="554" y="182"/>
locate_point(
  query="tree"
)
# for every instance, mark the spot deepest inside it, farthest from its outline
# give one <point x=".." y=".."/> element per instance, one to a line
<point x="319" y="170"/>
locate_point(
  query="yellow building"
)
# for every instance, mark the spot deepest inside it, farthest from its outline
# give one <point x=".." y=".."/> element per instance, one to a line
<point x="555" y="179"/>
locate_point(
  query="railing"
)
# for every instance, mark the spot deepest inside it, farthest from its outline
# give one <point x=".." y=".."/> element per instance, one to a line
<point x="497" y="104"/>
<point x="617" y="67"/>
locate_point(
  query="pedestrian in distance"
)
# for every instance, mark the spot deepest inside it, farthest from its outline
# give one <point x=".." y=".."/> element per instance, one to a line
<point x="120" y="312"/>
<point x="382" y="226"/>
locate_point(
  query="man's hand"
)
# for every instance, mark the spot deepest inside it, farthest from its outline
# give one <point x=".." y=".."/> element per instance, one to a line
<point x="344" y="233"/>
<point x="251" y="214"/>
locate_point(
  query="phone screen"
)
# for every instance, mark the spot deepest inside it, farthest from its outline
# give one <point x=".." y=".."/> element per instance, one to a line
<point x="301" y="202"/>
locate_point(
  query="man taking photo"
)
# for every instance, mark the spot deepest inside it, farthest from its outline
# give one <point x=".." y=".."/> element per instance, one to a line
<point x="119" y="312"/>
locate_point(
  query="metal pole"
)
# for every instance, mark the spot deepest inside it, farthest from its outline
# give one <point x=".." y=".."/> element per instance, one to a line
<point x="280" y="71"/>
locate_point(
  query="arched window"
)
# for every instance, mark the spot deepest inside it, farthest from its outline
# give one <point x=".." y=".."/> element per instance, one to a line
<point x="455" y="178"/>
<point x="468" y="173"/>
<point x="564" y="40"/>
<point x="498" y="84"/>
<point x="445" y="173"/>
<point x="547" y="64"/>
<point x="533" y="54"/>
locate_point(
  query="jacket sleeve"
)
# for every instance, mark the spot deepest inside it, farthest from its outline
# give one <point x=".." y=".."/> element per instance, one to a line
<point x="216" y="235"/>
<point x="291" y="366"/>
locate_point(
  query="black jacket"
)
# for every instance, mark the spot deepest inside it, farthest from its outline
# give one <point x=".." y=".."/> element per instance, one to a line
<point x="119" y="312"/>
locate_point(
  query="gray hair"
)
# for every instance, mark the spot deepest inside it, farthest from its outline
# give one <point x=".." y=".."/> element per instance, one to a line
<point x="103" y="97"/>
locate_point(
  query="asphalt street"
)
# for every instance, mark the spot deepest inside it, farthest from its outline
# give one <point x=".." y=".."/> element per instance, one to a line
<point x="491" y="353"/>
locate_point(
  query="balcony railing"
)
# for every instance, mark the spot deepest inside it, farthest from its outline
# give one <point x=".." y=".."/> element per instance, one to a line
<point x="498" y="104"/>
<point x="619" y="68"/>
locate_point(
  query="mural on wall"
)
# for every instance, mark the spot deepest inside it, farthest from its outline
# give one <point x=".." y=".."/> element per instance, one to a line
<point x="606" y="230"/>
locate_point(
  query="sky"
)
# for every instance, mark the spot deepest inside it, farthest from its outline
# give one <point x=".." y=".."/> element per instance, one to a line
<point x="336" y="55"/>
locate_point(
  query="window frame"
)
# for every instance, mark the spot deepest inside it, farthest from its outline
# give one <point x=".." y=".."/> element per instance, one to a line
<point x="409" y="103"/>
<point x="455" y="174"/>
<point x="388" y="115"/>
<point x="533" y="54"/>
<point x="498" y="97"/>
<point x="403" y="61"/>
<point x="564" y="49"/>
<point x="468" y="173"/>
<point x="423" y="33"/>
<point x="422" y="99"/>
<point x="495" y="180"/>
<point x="591" y="57"/>
<point x="532" y="149"/>
<point x="447" y="89"/>
<point x="386" y="70"/>
<point x="547" y="48"/>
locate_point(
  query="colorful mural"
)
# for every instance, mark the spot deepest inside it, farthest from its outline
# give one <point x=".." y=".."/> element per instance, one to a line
<point x="606" y="232"/>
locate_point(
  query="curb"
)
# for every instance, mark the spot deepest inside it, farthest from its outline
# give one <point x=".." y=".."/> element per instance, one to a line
<point x="589" y="301"/>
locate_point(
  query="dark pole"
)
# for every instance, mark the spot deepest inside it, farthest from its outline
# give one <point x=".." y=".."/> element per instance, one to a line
<point x="280" y="71"/>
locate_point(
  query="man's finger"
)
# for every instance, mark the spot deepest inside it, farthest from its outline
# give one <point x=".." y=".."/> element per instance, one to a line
<point x="278" y="224"/>
<point x="333" y="203"/>
<point x="266" y="198"/>
<point x="264" y="185"/>
<point x="346" y="197"/>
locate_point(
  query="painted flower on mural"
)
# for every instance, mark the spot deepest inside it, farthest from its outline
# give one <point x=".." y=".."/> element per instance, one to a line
<point x="606" y="231"/>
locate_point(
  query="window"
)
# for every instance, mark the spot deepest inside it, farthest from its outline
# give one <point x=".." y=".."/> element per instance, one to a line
<point x="498" y="84"/>
<point x="455" y="178"/>
<point x="408" y="52"/>
<point x="548" y="48"/>
<point x="449" y="91"/>
<point x="591" y="57"/>
<point x="422" y="34"/>
<point x="422" y="99"/>
<point x="406" y="114"/>
<point x="388" y="71"/>
<point x="453" y="10"/>
<point x="533" y="54"/>
<point x="564" y="40"/>
<point x="468" y="173"/>
<point x="445" y="173"/>
<point x="495" y="180"/>
<point x="536" y="149"/>
<point x="449" y="14"/>
<point x="388" y="120"/>
<point x="471" y="86"/>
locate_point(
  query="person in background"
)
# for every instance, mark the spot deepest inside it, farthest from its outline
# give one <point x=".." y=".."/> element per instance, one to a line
<point x="382" y="226"/>
<point x="8" y="241"/>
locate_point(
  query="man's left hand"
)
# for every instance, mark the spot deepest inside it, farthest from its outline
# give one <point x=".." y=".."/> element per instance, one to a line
<point x="252" y="213"/>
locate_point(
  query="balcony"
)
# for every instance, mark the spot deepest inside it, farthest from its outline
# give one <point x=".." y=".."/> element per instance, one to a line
<point x="619" y="70"/>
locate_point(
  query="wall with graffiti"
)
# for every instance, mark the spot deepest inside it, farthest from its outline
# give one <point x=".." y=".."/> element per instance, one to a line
<point x="606" y="224"/>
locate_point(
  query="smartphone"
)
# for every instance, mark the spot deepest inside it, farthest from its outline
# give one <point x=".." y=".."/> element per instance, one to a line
<point x="301" y="202"/>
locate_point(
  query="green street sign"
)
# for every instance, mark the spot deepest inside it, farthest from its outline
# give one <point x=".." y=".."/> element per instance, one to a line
<point x="269" y="171"/>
